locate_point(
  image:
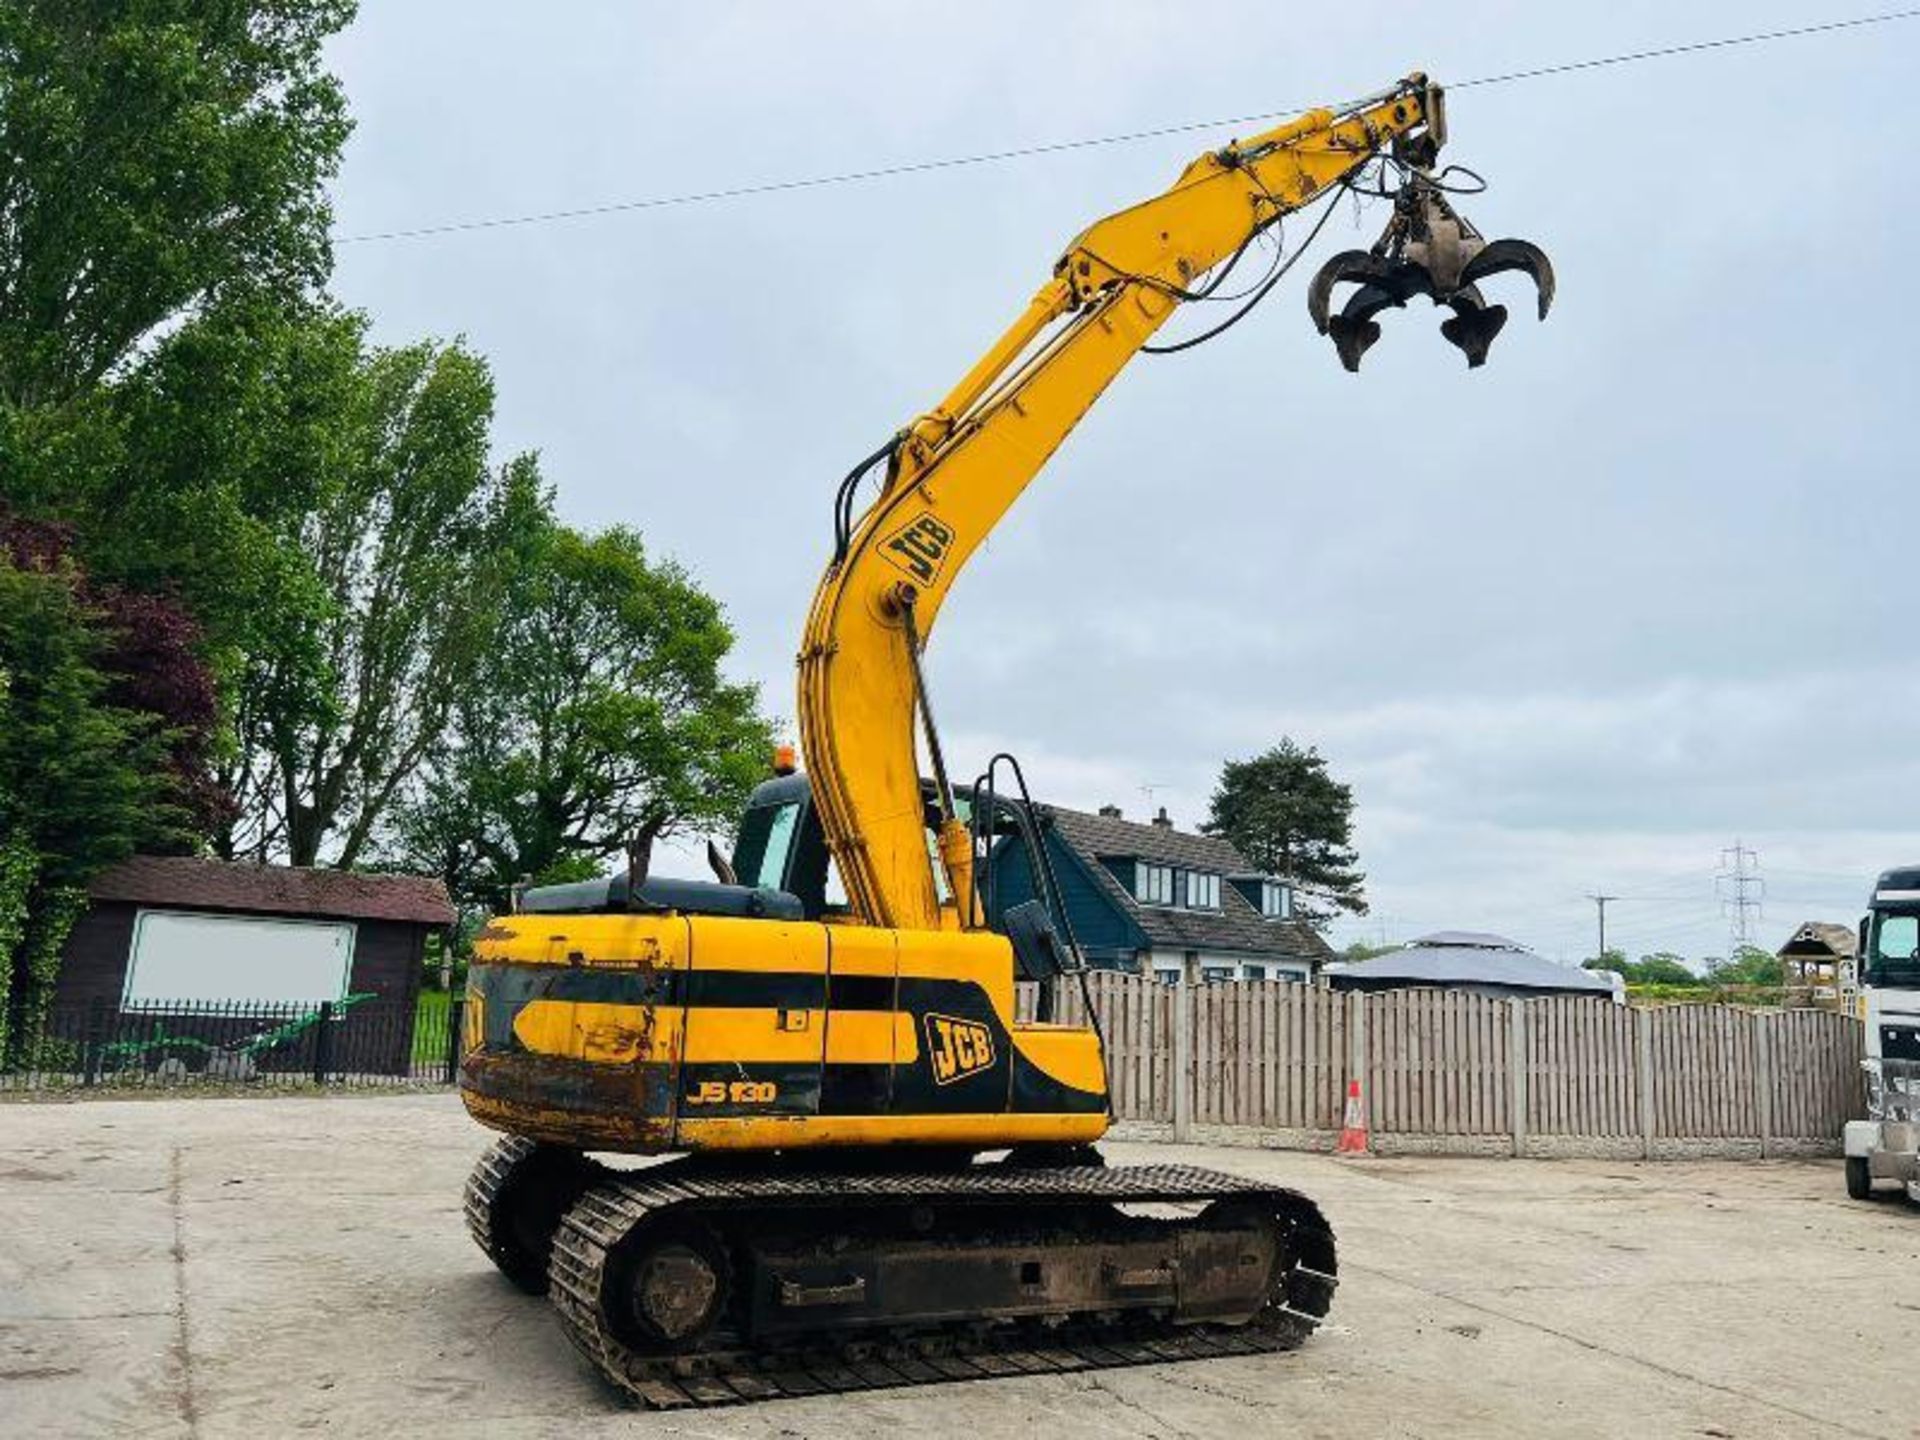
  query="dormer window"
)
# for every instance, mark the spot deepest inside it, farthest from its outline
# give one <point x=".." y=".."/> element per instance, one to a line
<point x="1276" y="900"/>
<point x="1203" y="891"/>
<point x="1153" y="884"/>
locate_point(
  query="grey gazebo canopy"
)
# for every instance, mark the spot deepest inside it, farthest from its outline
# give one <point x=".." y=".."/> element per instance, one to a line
<point x="1467" y="959"/>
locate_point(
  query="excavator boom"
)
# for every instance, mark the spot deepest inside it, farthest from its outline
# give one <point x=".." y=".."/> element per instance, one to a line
<point x="953" y="472"/>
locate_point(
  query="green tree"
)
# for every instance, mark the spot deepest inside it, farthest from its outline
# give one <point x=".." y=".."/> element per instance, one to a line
<point x="256" y="465"/>
<point x="1613" y="960"/>
<point x="156" y="156"/>
<point x="1664" y="968"/>
<point x="1289" y="817"/>
<point x="163" y="220"/>
<point x="1750" y="965"/>
<point x="82" y="781"/>
<point x="604" y="720"/>
<point x="233" y="432"/>
<point x="1360" y="950"/>
<point x="409" y="542"/>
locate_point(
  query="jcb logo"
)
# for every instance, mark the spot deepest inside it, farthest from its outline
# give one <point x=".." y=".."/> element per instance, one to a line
<point x="919" y="547"/>
<point x="957" y="1048"/>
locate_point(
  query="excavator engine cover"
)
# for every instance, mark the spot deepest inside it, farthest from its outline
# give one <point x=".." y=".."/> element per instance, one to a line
<point x="1427" y="249"/>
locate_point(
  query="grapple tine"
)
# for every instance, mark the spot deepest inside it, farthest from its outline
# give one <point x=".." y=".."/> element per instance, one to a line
<point x="1359" y="266"/>
<point x="1473" y="327"/>
<point x="1352" y="338"/>
<point x="1521" y="255"/>
<point x="1354" y="330"/>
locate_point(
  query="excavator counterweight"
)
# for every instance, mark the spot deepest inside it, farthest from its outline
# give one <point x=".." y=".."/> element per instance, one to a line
<point x="867" y="1168"/>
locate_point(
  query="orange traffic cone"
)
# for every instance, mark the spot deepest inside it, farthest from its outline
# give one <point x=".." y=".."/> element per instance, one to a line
<point x="1353" y="1130"/>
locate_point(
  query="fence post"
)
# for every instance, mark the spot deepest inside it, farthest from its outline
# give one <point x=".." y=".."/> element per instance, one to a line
<point x="1517" y="1074"/>
<point x="1357" y="1058"/>
<point x="93" y="1045"/>
<point x="1644" y="1035"/>
<point x="1762" y="1079"/>
<point x="1183" y="1057"/>
<point x="323" y="1043"/>
<point x="456" y="1005"/>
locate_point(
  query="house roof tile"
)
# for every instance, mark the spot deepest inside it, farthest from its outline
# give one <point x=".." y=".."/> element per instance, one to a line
<point x="198" y="883"/>
<point x="1236" y="926"/>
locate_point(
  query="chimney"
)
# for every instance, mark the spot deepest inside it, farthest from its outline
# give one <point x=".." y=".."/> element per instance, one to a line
<point x="1163" y="820"/>
<point x="1109" y="812"/>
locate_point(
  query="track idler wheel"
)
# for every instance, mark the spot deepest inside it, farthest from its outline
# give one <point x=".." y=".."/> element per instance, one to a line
<point x="515" y="1198"/>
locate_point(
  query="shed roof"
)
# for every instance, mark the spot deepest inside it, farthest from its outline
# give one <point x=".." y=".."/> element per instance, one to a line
<point x="1236" y="925"/>
<point x="1470" y="957"/>
<point x="1819" y="939"/>
<point x="197" y="883"/>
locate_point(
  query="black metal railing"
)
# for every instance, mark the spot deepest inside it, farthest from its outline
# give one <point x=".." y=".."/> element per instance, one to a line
<point x="361" y="1040"/>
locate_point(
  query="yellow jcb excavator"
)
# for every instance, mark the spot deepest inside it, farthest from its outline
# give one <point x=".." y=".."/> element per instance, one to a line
<point x="832" y="1072"/>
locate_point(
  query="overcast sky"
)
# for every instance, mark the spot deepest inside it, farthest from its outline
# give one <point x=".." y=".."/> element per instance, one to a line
<point x="1574" y="621"/>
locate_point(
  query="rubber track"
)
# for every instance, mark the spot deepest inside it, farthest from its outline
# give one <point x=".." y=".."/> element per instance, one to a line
<point x="593" y="1228"/>
<point x="506" y="1162"/>
<point x="484" y="1185"/>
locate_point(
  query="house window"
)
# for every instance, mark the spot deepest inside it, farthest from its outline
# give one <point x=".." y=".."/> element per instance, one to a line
<point x="1153" y="884"/>
<point x="1216" y="974"/>
<point x="1203" y="891"/>
<point x="1276" y="900"/>
<point x="1253" y="972"/>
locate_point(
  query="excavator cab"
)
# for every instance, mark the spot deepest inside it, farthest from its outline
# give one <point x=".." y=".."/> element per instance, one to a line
<point x="781" y="854"/>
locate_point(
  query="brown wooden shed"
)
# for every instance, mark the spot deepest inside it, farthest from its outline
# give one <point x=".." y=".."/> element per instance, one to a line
<point x="163" y="923"/>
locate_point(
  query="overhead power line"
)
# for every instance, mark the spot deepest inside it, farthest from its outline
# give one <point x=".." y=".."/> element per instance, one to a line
<point x="1692" y="47"/>
<point x="1057" y="147"/>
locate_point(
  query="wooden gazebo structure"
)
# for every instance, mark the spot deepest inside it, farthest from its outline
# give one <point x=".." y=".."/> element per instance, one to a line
<point x="1823" y="957"/>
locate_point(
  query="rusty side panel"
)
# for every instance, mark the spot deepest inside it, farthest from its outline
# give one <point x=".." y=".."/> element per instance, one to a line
<point x="575" y="1033"/>
<point x="572" y="1102"/>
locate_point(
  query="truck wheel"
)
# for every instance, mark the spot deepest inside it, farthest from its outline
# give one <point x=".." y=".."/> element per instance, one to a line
<point x="1859" y="1181"/>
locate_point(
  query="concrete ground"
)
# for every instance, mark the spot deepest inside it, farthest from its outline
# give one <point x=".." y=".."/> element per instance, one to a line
<point x="213" y="1267"/>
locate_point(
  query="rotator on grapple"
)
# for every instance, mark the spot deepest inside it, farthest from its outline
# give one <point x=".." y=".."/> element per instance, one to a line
<point x="824" y="1039"/>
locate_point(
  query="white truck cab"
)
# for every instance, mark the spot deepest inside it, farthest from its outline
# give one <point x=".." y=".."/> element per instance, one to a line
<point x="1886" y="1146"/>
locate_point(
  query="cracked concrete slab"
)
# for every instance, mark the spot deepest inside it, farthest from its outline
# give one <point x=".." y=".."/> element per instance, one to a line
<point x="240" y="1267"/>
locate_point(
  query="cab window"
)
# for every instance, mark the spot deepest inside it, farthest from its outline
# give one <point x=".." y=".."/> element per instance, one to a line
<point x="1897" y="937"/>
<point x="766" y="840"/>
<point x="963" y="812"/>
<point x="1894" y="958"/>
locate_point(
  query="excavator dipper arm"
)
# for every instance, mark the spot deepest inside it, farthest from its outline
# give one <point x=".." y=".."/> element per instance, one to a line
<point x="954" y="472"/>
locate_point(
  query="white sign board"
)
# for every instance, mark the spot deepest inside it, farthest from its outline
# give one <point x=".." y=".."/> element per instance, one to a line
<point x="201" y="958"/>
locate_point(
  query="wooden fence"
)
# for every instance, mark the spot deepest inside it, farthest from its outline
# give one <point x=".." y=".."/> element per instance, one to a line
<point x="1271" y="1061"/>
